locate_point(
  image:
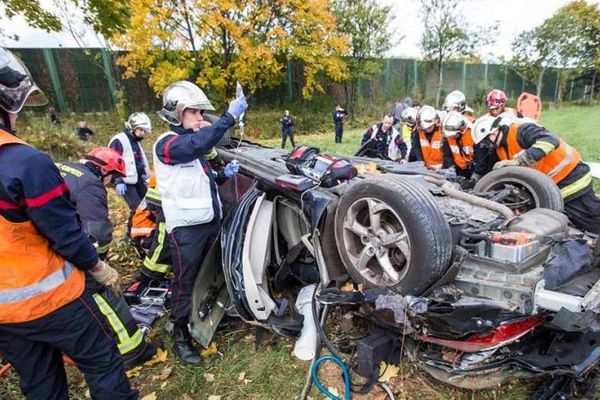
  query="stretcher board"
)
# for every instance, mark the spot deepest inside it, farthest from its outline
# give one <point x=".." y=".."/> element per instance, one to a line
<point x="529" y="105"/>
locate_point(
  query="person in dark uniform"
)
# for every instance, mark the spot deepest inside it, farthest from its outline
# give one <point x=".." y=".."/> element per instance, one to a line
<point x="87" y="180"/>
<point x="84" y="131"/>
<point x="501" y="142"/>
<point x="338" y="120"/>
<point x="383" y="141"/>
<point x="189" y="195"/>
<point x="286" y="129"/>
<point x="44" y="254"/>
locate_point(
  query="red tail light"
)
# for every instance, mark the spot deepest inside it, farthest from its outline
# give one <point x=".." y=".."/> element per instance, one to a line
<point x="503" y="334"/>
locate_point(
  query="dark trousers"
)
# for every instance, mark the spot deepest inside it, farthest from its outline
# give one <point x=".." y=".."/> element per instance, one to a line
<point x="134" y="194"/>
<point x="339" y="132"/>
<point x="158" y="259"/>
<point x="584" y="211"/>
<point x="78" y="330"/>
<point x="189" y="245"/>
<point x="285" y="132"/>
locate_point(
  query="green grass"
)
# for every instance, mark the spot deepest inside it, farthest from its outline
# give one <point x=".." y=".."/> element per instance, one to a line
<point x="270" y="369"/>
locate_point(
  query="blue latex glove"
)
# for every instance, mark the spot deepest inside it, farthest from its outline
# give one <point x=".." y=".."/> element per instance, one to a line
<point x="121" y="189"/>
<point x="232" y="168"/>
<point x="238" y="106"/>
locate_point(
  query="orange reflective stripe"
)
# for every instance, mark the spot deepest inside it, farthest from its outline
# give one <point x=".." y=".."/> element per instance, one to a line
<point x="34" y="280"/>
<point x="432" y="151"/>
<point x="557" y="164"/>
<point x="463" y="150"/>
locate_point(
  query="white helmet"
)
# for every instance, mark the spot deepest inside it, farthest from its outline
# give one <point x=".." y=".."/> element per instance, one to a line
<point x="181" y="95"/>
<point x="484" y="126"/>
<point x="455" y="100"/>
<point x="17" y="88"/>
<point x="139" y="120"/>
<point x="409" y="116"/>
<point x="454" y="123"/>
<point x="427" y="116"/>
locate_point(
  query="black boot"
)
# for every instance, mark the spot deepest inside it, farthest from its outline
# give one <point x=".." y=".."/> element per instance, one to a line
<point x="182" y="345"/>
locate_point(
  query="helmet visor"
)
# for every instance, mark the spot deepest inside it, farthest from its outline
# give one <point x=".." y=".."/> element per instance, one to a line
<point x="16" y="86"/>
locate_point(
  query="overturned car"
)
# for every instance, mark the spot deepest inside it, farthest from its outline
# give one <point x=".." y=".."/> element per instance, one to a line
<point x="482" y="285"/>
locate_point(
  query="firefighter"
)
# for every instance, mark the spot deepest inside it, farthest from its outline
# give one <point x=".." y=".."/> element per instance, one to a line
<point x="457" y="101"/>
<point x="384" y="141"/>
<point x="496" y="103"/>
<point x="427" y="140"/>
<point x="189" y="194"/>
<point x="128" y="143"/>
<point x="149" y="231"/>
<point x="44" y="252"/>
<point x="408" y="120"/>
<point x="87" y="180"/>
<point x="459" y="144"/>
<point x="531" y="145"/>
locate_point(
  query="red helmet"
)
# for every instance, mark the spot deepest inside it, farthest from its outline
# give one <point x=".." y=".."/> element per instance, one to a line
<point x="108" y="160"/>
<point x="496" y="98"/>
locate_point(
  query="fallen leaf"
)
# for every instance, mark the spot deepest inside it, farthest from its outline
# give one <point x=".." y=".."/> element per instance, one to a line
<point x="209" y="377"/>
<point x="151" y="396"/>
<point x="185" y="396"/>
<point x="166" y="372"/>
<point x="212" y="349"/>
<point x="242" y="376"/>
<point x="347" y="287"/>
<point x="164" y="385"/>
<point x="214" y="397"/>
<point x="134" y="371"/>
<point x="387" y="371"/>
<point x="160" y="356"/>
<point x="334" y="391"/>
<point x="247" y="381"/>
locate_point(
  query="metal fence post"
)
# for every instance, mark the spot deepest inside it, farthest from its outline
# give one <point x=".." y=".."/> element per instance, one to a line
<point x="485" y="74"/>
<point x="416" y="74"/>
<point x="556" y="84"/>
<point x="464" y="77"/>
<point x="54" y="79"/>
<point x="571" y="91"/>
<point x="505" y="77"/>
<point x="109" y="77"/>
<point x="386" y="79"/>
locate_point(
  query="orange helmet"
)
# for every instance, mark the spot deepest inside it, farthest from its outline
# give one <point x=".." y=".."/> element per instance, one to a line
<point x="108" y="160"/>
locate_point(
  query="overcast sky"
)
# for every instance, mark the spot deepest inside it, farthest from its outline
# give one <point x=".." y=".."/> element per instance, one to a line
<point x="513" y="16"/>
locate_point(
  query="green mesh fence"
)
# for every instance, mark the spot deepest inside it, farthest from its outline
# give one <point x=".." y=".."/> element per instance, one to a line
<point x="87" y="79"/>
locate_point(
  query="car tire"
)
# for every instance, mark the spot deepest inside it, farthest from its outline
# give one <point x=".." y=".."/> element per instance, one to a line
<point x="376" y="211"/>
<point x="541" y="188"/>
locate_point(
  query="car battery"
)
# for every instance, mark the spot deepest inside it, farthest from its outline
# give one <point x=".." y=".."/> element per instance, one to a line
<point x="513" y="246"/>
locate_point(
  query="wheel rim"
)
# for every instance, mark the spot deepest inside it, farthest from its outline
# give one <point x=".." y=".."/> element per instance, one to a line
<point x="523" y="196"/>
<point x="376" y="242"/>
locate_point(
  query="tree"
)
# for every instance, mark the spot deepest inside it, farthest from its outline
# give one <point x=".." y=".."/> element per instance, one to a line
<point x="446" y="35"/>
<point x="569" y="41"/>
<point x="220" y="42"/>
<point x="105" y="16"/>
<point x="366" y="24"/>
<point x="532" y="55"/>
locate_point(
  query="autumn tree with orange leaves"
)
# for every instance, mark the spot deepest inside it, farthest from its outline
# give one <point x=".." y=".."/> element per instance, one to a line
<point x="216" y="43"/>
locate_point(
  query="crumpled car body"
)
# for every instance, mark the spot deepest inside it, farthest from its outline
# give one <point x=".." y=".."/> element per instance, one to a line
<point x="481" y="291"/>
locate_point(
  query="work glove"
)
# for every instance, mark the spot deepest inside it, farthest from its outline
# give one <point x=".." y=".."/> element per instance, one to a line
<point x="238" y="106"/>
<point x="506" y="163"/>
<point x="109" y="277"/>
<point x="523" y="158"/>
<point x="121" y="189"/>
<point x="232" y="168"/>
